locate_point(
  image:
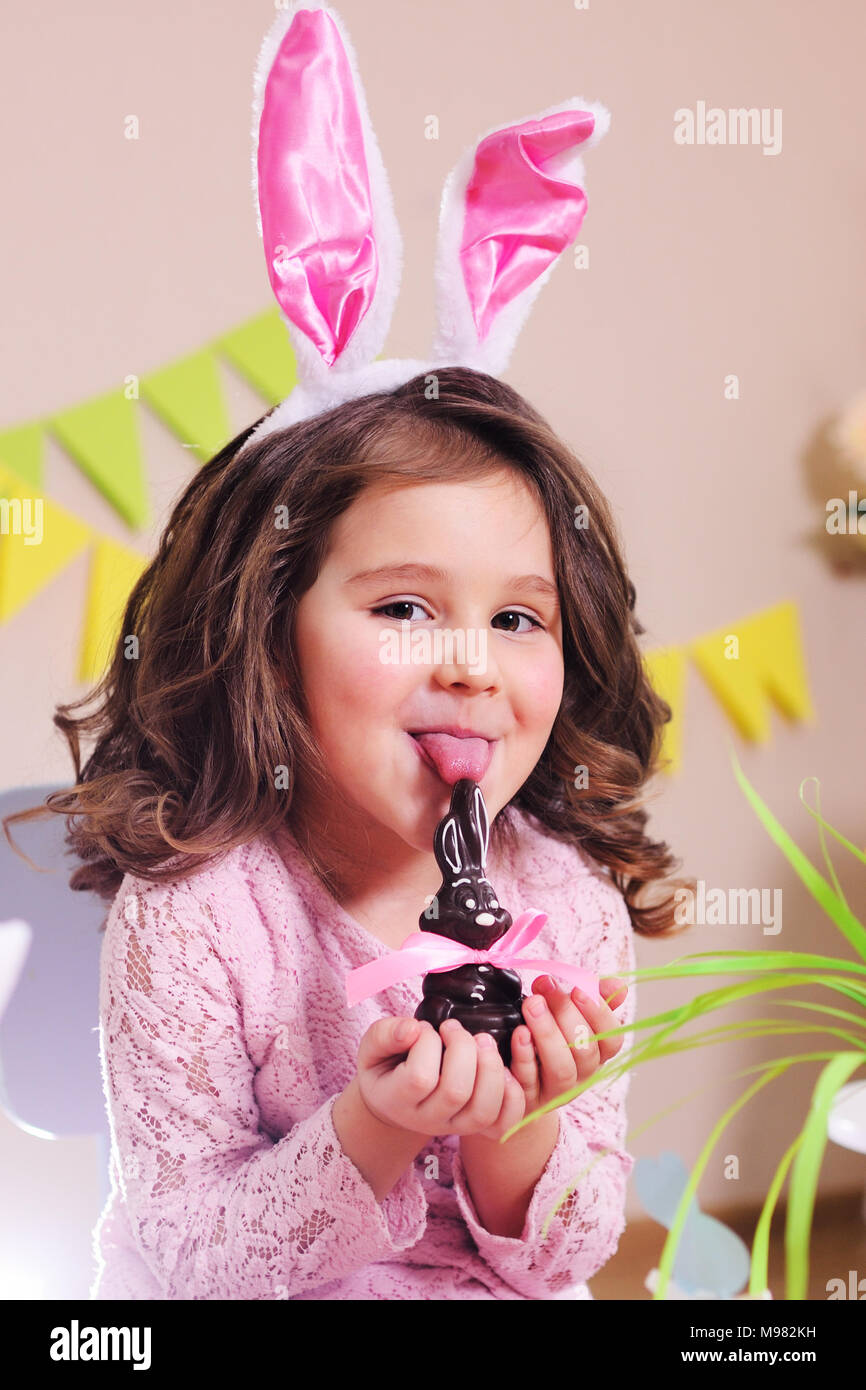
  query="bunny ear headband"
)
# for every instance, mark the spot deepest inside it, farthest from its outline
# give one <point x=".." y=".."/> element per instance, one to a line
<point x="333" y="249"/>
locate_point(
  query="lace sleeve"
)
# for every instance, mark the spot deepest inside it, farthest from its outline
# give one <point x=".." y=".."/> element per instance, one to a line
<point x="218" y="1209"/>
<point x="588" y="1167"/>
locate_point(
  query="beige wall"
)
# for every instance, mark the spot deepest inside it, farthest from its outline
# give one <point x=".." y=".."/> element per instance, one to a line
<point x="121" y="256"/>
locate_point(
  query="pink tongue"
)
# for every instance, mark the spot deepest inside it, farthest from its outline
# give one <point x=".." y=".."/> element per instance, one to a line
<point x="454" y="758"/>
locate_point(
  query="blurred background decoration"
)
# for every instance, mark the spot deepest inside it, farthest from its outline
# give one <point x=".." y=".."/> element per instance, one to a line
<point x="711" y="1260"/>
<point x="837" y="460"/>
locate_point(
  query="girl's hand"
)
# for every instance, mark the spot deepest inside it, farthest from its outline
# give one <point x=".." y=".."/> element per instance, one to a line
<point x="435" y="1085"/>
<point x="552" y="1052"/>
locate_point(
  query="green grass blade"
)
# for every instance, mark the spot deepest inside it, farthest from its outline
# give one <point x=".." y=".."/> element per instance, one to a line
<point x="821" y="823"/>
<point x="738" y="1031"/>
<point x="858" y="853"/>
<point x="703" y="1004"/>
<point x="633" y="1134"/>
<point x="654" y="1048"/>
<point x="824" y="895"/>
<point x="671" y="1245"/>
<point x="858" y="1019"/>
<point x="619" y="1068"/>
<point x="765" y="1027"/>
<point x="760" y="1263"/>
<point x="807" y="1166"/>
<point x="740" y="963"/>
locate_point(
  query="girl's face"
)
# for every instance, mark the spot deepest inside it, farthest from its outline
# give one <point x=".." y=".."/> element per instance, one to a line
<point x="490" y="540"/>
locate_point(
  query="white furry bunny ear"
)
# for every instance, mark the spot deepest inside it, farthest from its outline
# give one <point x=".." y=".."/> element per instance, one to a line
<point x="331" y="240"/>
<point x="510" y="207"/>
<point x="324" y="211"/>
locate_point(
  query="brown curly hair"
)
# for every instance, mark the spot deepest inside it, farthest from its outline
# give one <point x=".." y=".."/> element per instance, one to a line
<point x="189" y="732"/>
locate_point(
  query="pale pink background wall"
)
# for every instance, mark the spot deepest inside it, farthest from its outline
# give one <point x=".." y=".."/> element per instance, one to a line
<point x="119" y="257"/>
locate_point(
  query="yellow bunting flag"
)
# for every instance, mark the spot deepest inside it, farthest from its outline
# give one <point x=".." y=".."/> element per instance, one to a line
<point x="753" y="661"/>
<point x="666" y="669"/>
<point x="102" y="437"/>
<point x="262" y="352"/>
<point x="38" y="539"/>
<point x="22" y="450"/>
<point x="114" y="571"/>
<point x="188" y="398"/>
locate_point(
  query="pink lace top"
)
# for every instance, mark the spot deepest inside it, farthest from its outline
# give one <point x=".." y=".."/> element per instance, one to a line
<point x="225" y="1039"/>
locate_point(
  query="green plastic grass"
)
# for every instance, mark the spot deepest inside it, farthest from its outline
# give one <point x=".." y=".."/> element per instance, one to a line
<point x="771" y="971"/>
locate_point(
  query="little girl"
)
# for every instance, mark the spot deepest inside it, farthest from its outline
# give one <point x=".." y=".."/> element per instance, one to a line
<point x="260" y="808"/>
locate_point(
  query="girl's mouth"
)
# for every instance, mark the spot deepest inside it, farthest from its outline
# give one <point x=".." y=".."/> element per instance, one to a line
<point x="452" y="758"/>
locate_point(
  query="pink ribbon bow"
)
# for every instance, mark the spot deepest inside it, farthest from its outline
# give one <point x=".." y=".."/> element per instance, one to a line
<point x="426" y="951"/>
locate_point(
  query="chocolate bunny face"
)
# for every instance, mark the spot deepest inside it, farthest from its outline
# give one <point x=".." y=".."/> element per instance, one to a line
<point x="466" y="907"/>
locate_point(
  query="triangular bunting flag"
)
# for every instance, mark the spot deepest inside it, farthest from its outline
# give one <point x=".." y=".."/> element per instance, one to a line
<point x="752" y="661"/>
<point x="38" y="539"/>
<point x="261" y="351"/>
<point x="22" y="450"/>
<point x="114" y="571"/>
<point x="102" y="437"/>
<point x="666" y="669"/>
<point x="188" y="398"/>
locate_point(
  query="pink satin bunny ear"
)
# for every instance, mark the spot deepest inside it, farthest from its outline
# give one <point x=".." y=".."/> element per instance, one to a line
<point x="332" y="244"/>
<point x="510" y="207"/>
<point x="324" y="208"/>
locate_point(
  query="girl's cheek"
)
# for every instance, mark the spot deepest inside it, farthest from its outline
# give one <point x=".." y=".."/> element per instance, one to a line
<point x="374" y="673"/>
<point x="541" y="686"/>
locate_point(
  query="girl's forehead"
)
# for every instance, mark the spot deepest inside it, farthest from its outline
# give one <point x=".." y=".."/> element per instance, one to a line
<point x="499" y="479"/>
<point x="445" y="505"/>
<point x="449" y="532"/>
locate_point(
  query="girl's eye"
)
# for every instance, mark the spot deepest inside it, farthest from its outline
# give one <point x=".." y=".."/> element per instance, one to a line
<point x="494" y="903"/>
<point x="398" y="603"/>
<point x="512" y="613"/>
<point x="470" y="903"/>
<point x="404" y="603"/>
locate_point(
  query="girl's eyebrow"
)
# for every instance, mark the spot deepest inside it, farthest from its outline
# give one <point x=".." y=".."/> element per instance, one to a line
<point x="524" y="583"/>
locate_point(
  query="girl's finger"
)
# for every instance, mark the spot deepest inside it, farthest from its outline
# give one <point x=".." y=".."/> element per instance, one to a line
<point x="577" y="1034"/>
<point x="515" y="1102"/>
<point x="613" y="991"/>
<point x="486" y="1100"/>
<point x="544" y="984"/>
<point x="457" y="1078"/>
<point x="586" y="1050"/>
<point x="513" y="1107"/>
<point x="555" y="1058"/>
<point x="524" y="1063"/>
<point x="419" y="1073"/>
<point x="555" y="998"/>
<point x="600" y="1018"/>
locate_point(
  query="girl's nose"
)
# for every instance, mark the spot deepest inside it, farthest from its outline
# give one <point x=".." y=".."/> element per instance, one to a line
<point x="484" y="919"/>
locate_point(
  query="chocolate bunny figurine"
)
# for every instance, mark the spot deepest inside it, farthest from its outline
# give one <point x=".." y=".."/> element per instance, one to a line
<point x="484" y="998"/>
